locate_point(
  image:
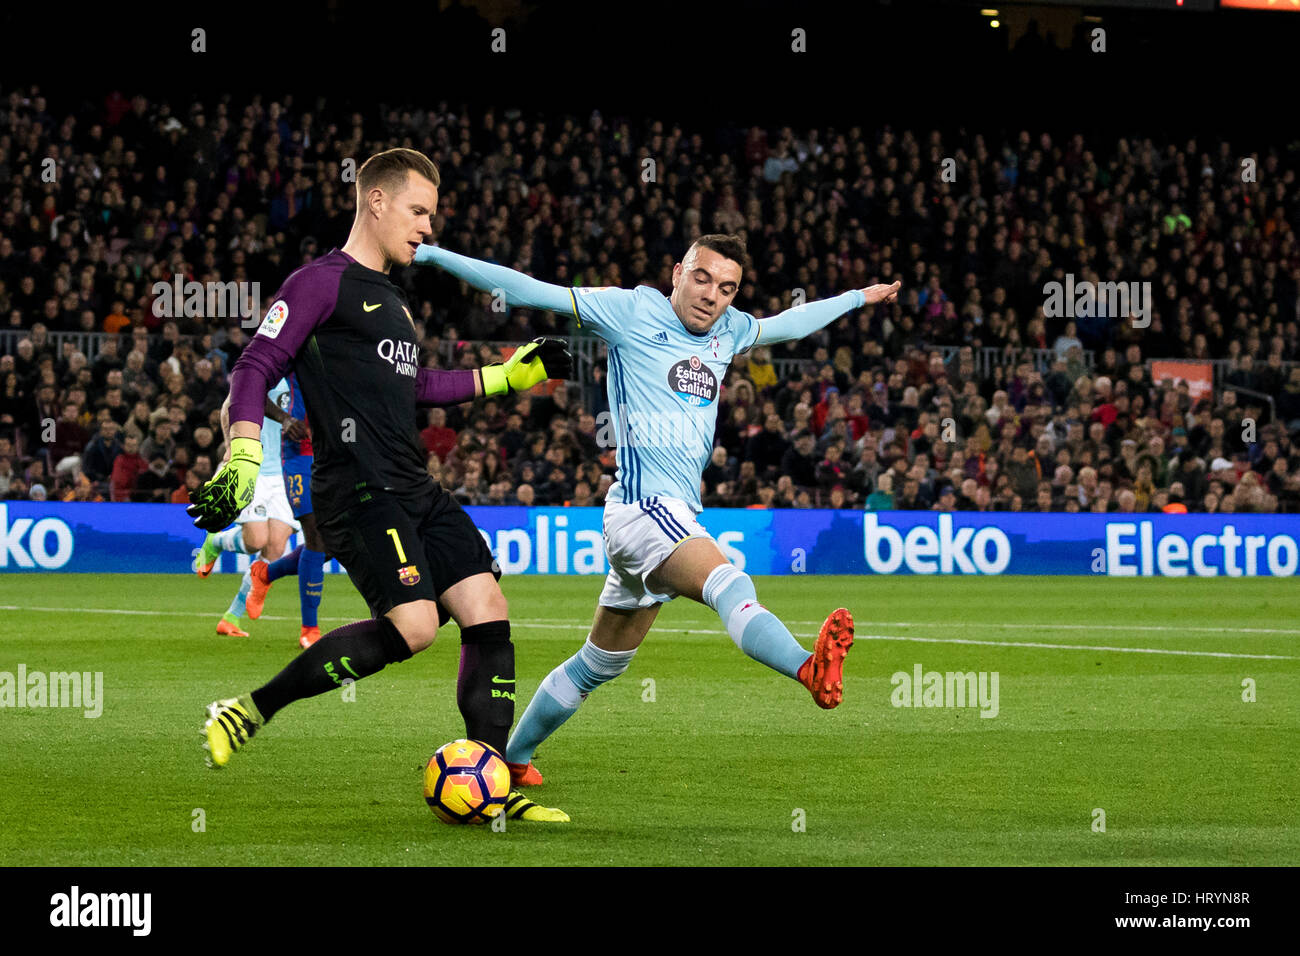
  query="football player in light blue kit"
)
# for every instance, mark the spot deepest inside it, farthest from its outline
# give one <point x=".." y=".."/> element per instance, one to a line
<point x="668" y="357"/>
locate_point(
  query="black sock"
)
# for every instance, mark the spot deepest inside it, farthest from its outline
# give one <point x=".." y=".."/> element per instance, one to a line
<point x="485" y="689"/>
<point x="350" y="652"/>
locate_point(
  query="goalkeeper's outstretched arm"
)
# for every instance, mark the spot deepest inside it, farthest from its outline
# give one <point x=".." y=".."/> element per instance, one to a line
<point x="519" y="289"/>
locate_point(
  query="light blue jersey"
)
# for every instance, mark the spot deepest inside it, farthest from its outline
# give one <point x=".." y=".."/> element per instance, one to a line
<point x="271" y="436"/>
<point x="664" y="386"/>
<point x="664" y="381"/>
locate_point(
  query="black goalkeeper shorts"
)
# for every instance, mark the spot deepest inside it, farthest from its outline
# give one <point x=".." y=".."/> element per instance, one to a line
<point x="394" y="557"/>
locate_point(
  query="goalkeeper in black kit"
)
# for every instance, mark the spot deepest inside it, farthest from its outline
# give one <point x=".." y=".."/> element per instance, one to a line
<point x="414" y="554"/>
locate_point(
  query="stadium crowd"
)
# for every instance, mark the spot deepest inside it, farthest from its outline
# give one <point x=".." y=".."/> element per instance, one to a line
<point x="887" y="408"/>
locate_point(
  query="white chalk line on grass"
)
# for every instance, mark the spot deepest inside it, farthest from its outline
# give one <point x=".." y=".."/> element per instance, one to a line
<point x="1289" y="632"/>
<point x="1075" y="647"/>
<point x="557" y="624"/>
<point x="1085" y="627"/>
<point x="968" y="625"/>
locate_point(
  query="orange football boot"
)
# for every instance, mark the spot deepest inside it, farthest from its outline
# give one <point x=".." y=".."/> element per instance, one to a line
<point x="524" y="774"/>
<point x="257" y="594"/>
<point x="309" y="636"/>
<point x="823" y="672"/>
<point x="205" y="558"/>
<point x="230" y="629"/>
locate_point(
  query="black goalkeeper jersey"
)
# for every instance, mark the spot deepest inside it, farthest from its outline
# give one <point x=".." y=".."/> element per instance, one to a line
<point x="347" y="332"/>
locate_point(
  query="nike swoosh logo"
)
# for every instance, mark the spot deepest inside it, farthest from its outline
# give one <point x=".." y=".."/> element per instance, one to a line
<point x="368" y="307"/>
<point x="502" y="680"/>
<point x="344" y="662"/>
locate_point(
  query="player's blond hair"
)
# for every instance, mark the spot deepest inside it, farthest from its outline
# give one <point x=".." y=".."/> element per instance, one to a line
<point x="388" y="170"/>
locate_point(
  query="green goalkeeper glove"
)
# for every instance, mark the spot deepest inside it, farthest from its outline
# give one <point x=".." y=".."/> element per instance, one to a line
<point x="530" y="365"/>
<point x="230" y="491"/>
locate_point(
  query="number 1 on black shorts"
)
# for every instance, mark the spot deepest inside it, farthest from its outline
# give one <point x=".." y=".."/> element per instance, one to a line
<point x="397" y="543"/>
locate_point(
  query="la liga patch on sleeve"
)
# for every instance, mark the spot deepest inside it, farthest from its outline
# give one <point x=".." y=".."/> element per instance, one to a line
<point x="274" y="320"/>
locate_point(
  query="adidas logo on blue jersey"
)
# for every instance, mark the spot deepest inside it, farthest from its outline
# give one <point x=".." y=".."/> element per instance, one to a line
<point x="660" y="337"/>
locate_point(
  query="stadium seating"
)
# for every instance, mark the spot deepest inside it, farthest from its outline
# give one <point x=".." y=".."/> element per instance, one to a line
<point x="970" y="394"/>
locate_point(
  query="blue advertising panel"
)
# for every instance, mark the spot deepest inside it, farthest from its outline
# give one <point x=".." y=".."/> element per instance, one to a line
<point x="98" y="538"/>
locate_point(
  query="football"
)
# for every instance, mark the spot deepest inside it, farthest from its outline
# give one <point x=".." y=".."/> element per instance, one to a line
<point x="466" y="782"/>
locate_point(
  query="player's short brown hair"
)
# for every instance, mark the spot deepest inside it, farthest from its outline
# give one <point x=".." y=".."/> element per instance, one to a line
<point x="730" y="246"/>
<point x="388" y="170"/>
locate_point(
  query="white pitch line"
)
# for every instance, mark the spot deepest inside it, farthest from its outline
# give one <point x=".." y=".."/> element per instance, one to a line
<point x="1046" y="627"/>
<point x="1075" y="647"/>
<point x="155" y="613"/>
<point x="543" y="620"/>
<point x="1086" y="627"/>
<point x="555" y="624"/>
<point x="962" y="640"/>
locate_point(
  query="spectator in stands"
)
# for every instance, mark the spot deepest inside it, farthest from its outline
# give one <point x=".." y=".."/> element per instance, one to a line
<point x="882" y="498"/>
<point x="102" y="450"/>
<point x="878" y="369"/>
<point x="160" y="438"/>
<point x="761" y="370"/>
<point x="798" y="462"/>
<point x="767" y="449"/>
<point x="717" y="470"/>
<point x="14" y="399"/>
<point x="205" y="389"/>
<point x="127" y="467"/>
<point x="1068" y="339"/>
<point x="69" y="439"/>
<point x="135" y="377"/>
<point x="156" y="482"/>
<point x="438" y="438"/>
<point x="117" y="319"/>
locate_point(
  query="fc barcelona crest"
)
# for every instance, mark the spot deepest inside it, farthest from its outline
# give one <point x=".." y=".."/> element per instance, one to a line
<point x="409" y="575"/>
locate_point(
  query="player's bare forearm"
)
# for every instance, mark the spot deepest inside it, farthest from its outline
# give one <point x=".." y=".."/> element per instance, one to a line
<point x="231" y="430"/>
<point x="237" y="430"/>
<point x="294" y="429"/>
<point x="246" y="430"/>
<point x="276" y="413"/>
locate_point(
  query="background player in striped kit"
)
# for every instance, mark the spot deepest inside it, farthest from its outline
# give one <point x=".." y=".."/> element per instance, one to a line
<point x="307" y="561"/>
<point x="264" y="527"/>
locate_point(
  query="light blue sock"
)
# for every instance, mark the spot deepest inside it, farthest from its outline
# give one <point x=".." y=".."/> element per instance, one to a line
<point x="756" y="630"/>
<point x="560" y="695"/>
<point x="241" y="597"/>
<point x="232" y="539"/>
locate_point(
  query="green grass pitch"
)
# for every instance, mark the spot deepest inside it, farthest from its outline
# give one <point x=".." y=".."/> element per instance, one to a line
<point x="716" y="762"/>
